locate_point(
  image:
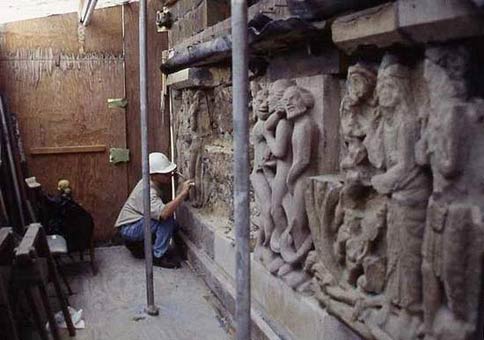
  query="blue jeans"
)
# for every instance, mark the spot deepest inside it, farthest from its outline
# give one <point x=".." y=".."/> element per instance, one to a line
<point x="163" y="232"/>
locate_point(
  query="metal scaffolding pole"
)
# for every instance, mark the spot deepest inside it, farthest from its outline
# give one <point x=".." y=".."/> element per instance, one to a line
<point x="151" y="309"/>
<point x="240" y="80"/>
<point x="87" y="12"/>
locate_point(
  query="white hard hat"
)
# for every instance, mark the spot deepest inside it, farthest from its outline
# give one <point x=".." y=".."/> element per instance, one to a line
<point x="160" y="164"/>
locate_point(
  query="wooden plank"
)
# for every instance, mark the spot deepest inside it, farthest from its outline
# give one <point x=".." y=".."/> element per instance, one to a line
<point x="66" y="105"/>
<point x="158" y="134"/>
<point x="67" y="149"/>
<point x="49" y="37"/>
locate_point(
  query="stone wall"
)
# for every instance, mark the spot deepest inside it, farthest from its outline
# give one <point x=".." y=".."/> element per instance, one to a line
<point x="191" y="17"/>
<point x="367" y="161"/>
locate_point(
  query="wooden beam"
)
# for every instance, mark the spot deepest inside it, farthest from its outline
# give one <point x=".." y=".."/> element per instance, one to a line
<point x="54" y="150"/>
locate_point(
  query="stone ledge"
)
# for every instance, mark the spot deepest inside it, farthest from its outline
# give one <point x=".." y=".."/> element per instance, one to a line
<point x="408" y="22"/>
<point x="277" y="309"/>
<point x="223" y="288"/>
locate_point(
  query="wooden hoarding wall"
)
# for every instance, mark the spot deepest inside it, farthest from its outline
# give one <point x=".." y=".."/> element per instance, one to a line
<point x="159" y="138"/>
<point x="58" y="77"/>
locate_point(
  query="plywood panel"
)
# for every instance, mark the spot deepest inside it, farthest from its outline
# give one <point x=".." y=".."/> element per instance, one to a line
<point x="159" y="127"/>
<point x="66" y="105"/>
<point x="62" y="34"/>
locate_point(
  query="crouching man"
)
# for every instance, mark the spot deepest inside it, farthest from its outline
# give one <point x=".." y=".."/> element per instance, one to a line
<point x="163" y="225"/>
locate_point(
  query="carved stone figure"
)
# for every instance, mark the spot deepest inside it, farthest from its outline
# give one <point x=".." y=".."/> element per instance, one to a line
<point x="452" y="144"/>
<point x="283" y="139"/>
<point x="357" y="113"/>
<point x="393" y="243"/>
<point x="278" y="159"/>
<point x="192" y="132"/>
<point x="200" y="128"/>
<point x="405" y="183"/>
<point x="296" y="241"/>
<point x="261" y="176"/>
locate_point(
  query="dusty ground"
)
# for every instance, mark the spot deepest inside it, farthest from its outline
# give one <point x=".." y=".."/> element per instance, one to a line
<point x="113" y="298"/>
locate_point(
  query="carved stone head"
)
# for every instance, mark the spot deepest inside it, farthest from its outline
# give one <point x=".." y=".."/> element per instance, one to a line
<point x="276" y="91"/>
<point x="393" y="82"/>
<point x="361" y="82"/>
<point x="261" y="107"/>
<point x="445" y="69"/>
<point x="297" y="101"/>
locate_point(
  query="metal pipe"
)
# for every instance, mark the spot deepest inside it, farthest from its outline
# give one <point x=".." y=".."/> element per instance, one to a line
<point x="172" y="138"/>
<point x="151" y="309"/>
<point x="240" y="77"/>
<point x="90" y="9"/>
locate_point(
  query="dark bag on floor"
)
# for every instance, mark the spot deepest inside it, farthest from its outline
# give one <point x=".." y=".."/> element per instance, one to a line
<point x="68" y="218"/>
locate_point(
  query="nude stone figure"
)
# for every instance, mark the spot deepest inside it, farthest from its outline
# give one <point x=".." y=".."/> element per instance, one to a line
<point x="296" y="240"/>
<point x="261" y="175"/>
<point x="277" y="133"/>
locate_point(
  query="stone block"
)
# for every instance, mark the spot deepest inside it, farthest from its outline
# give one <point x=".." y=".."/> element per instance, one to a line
<point x="195" y="229"/>
<point x="408" y="22"/>
<point x="298" y="61"/>
<point x="326" y="90"/>
<point x="277" y="311"/>
<point x="439" y="20"/>
<point x="377" y="26"/>
<point x="191" y="17"/>
<point x="190" y="77"/>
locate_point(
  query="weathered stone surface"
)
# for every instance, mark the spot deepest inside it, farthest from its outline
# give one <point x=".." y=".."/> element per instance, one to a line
<point x="377" y="26"/>
<point x="452" y="145"/>
<point x="395" y="232"/>
<point x="191" y="77"/>
<point x="277" y="311"/>
<point x="298" y="61"/>
<point x="322" y="9"/>
<point x="369" y="189"/>
<point x="191" y="17"/>
<point x="439" y="20"/>
<point x="275" y="9"/>
<point x="288" y="137"/>
<point x="408" y="22"/>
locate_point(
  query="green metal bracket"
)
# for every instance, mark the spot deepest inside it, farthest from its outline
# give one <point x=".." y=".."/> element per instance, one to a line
<point x="118" y="155"/>
<point x="117" y="102"/>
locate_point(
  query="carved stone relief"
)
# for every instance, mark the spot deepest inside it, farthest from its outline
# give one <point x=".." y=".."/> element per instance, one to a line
<point x="204" y="149"/>
<point x="398" y="233"/>
<point x="283" y="140"/>
<point x="192" y="132"/>
<point x="452" y="145"/>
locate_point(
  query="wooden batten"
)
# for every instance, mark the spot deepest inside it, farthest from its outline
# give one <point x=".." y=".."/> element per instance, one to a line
<point x="67" y="149"/>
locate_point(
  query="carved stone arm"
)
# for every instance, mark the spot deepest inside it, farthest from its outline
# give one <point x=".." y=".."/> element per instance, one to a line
<point x="278" y="144"/>
<point x="297" y="169"/>
<point x="397" y="174"/>
<point x="302" y="153"/>
<point x="272" y="121"/>
<point x="421" y="150"/>
<point x="448" y="163"/>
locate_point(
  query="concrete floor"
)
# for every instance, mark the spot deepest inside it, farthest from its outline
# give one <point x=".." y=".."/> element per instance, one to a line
<point x="111" y="299"/>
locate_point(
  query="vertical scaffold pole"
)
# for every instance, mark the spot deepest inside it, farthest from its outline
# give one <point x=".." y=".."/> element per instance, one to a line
<point x="240" y="79"/>
<point x="151" y="309"/>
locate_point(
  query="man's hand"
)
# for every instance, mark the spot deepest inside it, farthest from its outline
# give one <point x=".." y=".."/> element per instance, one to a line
<point x="171" y="206"/>
<point x="185" y="187"/>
